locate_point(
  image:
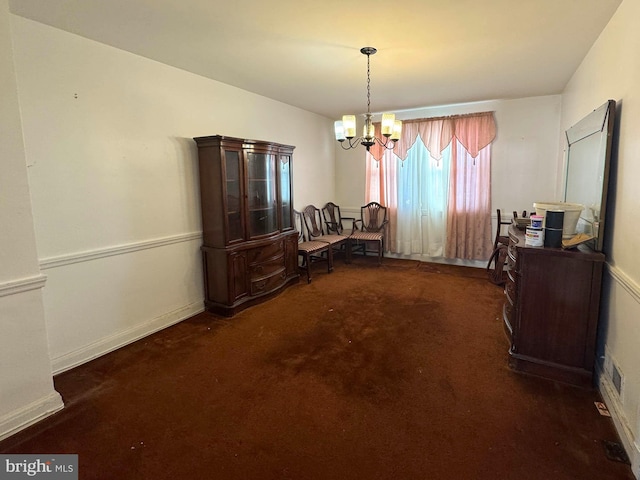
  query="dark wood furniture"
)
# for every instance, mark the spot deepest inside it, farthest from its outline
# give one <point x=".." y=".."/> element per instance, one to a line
<point x="311" y="250"/>
<point x="497" y="260"/>
<point x="501" y="238"/>
<point x="249" y="247"/>
<point x="370" y="229"/>
<point x="333" y="219"/>
<point x="551" y="310"/>
<point x="316" y="231"/>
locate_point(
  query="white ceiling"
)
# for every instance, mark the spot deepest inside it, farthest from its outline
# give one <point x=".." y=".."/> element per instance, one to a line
<point x="307" y="53"/>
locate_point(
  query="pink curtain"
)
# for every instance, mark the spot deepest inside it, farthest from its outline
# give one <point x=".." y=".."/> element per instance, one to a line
<point x="469" y="206"/>
<point x="436" y="134"/>
<point x="474" y="131"/>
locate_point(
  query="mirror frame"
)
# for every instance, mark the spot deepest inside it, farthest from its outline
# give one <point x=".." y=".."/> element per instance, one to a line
<point x="599" y="122"/>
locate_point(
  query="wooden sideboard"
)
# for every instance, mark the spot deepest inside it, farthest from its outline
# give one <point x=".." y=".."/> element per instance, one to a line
<point x="250" y="246"/>
<point x="551" y="309"/>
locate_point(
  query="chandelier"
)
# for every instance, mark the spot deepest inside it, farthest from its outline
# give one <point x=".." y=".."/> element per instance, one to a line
<point x="345" y="129"/>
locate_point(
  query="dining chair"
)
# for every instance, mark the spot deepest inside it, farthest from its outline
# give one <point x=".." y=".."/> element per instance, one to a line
<point x="311" y="250"/>
<point x="316" y="231"/>
<point x="369" y="230"/>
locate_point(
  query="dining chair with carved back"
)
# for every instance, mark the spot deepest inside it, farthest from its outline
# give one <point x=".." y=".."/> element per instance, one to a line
<point x="369" y="230"/>
<point x="316" y="231"/>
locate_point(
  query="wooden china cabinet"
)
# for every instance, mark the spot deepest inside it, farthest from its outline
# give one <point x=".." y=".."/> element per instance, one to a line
<point x="249" y="242"/>
<point x="551" y="309"/>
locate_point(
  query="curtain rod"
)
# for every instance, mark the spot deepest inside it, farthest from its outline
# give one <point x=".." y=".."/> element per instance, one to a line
<point x="462" y="115"/>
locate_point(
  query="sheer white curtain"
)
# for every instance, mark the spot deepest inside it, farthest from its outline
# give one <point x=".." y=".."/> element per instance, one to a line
<point x="422" y="201"/>
<point x="416" y="191"/>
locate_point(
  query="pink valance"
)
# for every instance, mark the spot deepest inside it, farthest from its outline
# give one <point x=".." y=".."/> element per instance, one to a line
<point x="474" y="131"/>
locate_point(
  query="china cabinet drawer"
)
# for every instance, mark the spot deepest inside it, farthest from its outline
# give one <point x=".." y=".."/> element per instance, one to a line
<point x="268" y="283"/>
<point x="266" y="252"/>
<point x="266" y="269"/>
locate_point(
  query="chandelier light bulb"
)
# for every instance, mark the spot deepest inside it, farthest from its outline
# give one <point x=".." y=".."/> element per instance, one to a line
<point x="339" y="131"/>
<point x="397" y="130"/>
<point x="388" y="121"/>
<point x="349" y="125"/>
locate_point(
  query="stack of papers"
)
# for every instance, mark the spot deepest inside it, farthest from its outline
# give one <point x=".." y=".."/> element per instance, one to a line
<point x="576" y="240"/>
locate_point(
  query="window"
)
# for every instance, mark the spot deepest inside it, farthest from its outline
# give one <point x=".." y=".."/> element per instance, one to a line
<point x="437" y="189"/>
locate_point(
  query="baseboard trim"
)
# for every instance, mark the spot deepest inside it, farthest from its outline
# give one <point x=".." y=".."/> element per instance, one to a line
<point x="108" y="344"/>
<point x="607" y="390"/>
<point x="78" y="257"/>
<point x="22" y="285"/>
<point x="28" y="415"/>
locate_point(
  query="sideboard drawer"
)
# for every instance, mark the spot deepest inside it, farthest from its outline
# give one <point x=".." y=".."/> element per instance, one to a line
<point x="510" y="291"/>
<point x="511" y="255"/>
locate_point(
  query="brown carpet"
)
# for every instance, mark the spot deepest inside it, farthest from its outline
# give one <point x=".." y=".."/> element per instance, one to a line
<point x="392" y="372"/>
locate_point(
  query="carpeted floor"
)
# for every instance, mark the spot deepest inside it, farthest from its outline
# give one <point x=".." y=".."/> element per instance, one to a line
<point x="392" y="372"/>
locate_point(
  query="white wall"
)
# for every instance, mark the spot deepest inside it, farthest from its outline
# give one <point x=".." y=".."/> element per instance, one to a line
<point x="611" y="70"/>
<point x="26" y="386"/>
<point x="524" y="153"/>
<point x="114" y="182"/>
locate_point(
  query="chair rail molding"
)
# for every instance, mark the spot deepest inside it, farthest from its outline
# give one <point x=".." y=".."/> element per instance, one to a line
<point x="350" y="212"/>
<point x="87" y="256"/>
<point x="625" y="281"/>
<point x="21" y="285"/>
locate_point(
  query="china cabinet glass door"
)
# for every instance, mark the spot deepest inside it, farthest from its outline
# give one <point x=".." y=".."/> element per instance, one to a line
<point x="233" y="195"/>
<point x="261" y="194"/>
<point x="285" y="192"/>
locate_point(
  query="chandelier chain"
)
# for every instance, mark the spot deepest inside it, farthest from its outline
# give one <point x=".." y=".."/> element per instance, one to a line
<point x="368" y="85"/>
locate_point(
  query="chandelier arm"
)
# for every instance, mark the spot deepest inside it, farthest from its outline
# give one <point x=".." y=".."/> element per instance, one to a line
<point x="352" y="143"/>
<point x="387" y="143"/>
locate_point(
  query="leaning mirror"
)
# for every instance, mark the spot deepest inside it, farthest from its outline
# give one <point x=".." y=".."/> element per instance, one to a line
<point x="587" y="175"/>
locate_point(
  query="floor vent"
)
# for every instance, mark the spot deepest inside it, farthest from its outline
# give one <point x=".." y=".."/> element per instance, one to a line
<point x="616" y="378"/>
